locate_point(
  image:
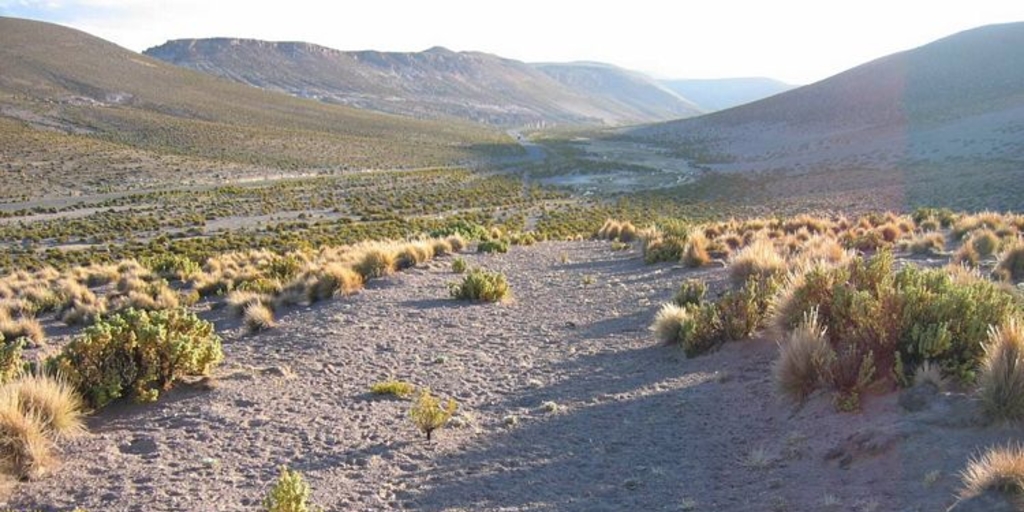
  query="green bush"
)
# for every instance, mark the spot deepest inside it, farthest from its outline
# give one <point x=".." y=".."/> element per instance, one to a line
<point x="138" y="353"/>
<point x="11" y="362"/>
<point x="488" y="246"/>
<point x="481" y="285"/>
<point x="172" y="266"/>
<point x="459" y="265"/>
<point x="692" y="291"/>
<point x="289" y="494"/>
<point x="744" y="311"/>
<point x="700" y="330"/>
<point x="428" y="414"/>
<point x="883" y="324"/>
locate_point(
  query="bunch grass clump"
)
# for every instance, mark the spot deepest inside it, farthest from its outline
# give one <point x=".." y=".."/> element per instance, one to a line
<point x="1000" y="468"/>
<point x="258" y="318"/>
<point x="797" y="371"/>
<point x="759" y="260"/>
<point x="1001" y="381"/>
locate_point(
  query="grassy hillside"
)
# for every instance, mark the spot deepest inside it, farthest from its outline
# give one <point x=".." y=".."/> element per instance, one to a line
<point x="73" y="104"/>
<point x="436" y="83"/>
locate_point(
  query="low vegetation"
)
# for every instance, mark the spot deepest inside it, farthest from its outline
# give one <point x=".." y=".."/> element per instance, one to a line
<point x="138" y="354"/>
<point x="394" y="388"/>
<point x="428" y="414"/>
<point x="482" y="285"/>
<point x="999" y="468"/>
<point x="289" y="494"/>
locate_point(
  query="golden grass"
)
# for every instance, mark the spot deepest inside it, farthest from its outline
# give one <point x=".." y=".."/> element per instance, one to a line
<point x="1000" y="468"/>
<point x="1001" y="379"/>
<point x="759" y="260"/>
<point x="25" y="451"/>
<point x="376" y="262"/>
<point x="258" y="317"/>
<point x="797" y="370"/>
<point x="24" y="327"/>
<point x="668" y="322"/>
<point x="52" y="400"/>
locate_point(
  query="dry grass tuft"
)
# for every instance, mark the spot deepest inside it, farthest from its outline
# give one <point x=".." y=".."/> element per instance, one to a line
<point x="25" y="451"/>
<point x="376" y="262"/>
<point x="52" y="400"/>
<point x="759" y="260"/>
<point x="668" y="322"/>
<point x="24" y="327"/>
<point x="258" y="317"/>
<point x="1001" y="380"/>
<point x="797" y="371"/>
<point x="1011" y="263"/>
<point x="1000" y="468"/>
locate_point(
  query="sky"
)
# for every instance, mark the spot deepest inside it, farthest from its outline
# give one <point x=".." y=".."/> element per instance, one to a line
<point x="797" y="41"/>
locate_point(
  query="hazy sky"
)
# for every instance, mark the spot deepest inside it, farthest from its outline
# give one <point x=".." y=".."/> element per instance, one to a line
<point x="795" y="41"/>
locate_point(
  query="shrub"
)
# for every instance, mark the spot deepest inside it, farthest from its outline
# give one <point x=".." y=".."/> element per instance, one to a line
<point x="459" y="265"/>
<point x="744" y="311"/>
<point x="376" y="263"/>
<point x="999" y="468"/>
<point x="701" y="330"/>
<point x="884" y="324"/>
<point x="258" y="317"/>
<point x="428" y="414"/>
<point x="481" y="285"/>
<point x="1011" y="263"/>
<point x="489" y="246"/>
<point x="692" y="291"/>
<point x="697" y="328"/>
<point x="172" y="266"/>
<point x="1001" y="381"/>
<point x="798" y="368"/>
<point x="51" y="400"/>
<point x="289" y="494"/>
<point x="393" y="388"/>
<point x="760" y="261"/>
<point x="669" y="248"/>
<point x="11" y="363"/>
<point x="138" y="353"/>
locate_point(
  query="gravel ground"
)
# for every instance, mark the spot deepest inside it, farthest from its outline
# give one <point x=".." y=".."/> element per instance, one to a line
<point x="636" y="426"/>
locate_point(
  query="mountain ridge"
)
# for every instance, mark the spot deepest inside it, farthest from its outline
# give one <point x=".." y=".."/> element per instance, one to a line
<point x="435" y="83"/>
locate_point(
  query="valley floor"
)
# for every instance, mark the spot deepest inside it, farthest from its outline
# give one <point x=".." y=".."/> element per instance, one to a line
<point x="637" y="426"/>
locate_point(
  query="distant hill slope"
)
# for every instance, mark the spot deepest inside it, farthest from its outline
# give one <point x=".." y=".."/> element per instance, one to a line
<point x="722" y="93"/>
<point x="633" y="91"/>
<point x="956" y="101"/>
<point x="74" y="85"/>
<point x="435" y="83"/>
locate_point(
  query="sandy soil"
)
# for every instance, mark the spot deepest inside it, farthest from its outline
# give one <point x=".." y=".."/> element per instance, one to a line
<point x="637" y="427"/>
